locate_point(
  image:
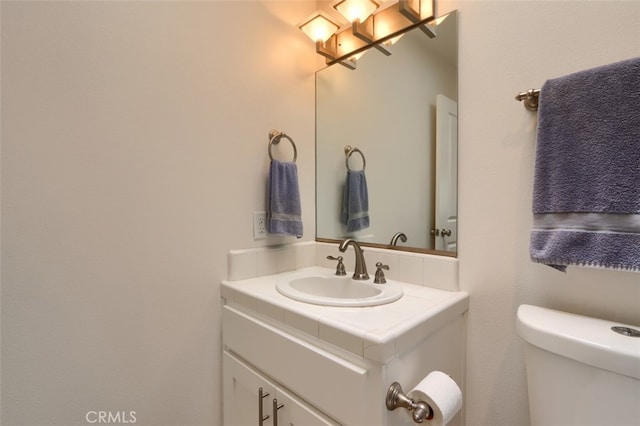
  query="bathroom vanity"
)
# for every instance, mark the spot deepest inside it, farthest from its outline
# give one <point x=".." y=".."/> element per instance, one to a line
<point x="301" y="363"/>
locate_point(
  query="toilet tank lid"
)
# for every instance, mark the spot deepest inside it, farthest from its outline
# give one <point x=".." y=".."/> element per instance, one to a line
<point x="585" y="339"/>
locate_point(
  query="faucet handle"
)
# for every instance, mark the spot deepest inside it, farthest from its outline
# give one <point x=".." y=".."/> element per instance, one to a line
<point x="379" y="278"/>
<point x="340" y="270"/>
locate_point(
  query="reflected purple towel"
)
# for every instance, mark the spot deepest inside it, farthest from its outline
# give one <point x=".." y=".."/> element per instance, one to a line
<point x="284" y="215"/>
<point x="355" y="201"/>
<point x="586" y="196"/>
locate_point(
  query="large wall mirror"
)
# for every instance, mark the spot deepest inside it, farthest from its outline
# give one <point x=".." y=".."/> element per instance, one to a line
<point x="400" y="111"/>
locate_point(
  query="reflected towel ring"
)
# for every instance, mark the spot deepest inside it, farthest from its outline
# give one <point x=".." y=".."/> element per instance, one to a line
<point x="274" y="138"/>
<point x="348" y="150"/>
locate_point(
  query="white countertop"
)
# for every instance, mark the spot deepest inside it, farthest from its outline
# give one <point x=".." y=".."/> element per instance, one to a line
<point x="377" y="333"/>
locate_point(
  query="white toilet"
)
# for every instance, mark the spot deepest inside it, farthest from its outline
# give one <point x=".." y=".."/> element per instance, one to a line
<point x="579" y="371"/>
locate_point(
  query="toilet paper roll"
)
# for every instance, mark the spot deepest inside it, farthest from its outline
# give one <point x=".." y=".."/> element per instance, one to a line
<point x="441" y="393"/>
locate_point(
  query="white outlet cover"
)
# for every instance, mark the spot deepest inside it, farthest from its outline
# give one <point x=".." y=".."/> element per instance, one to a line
<point x="259" y="225"/>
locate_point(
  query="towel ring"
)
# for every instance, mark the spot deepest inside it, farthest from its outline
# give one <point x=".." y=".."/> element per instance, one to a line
<point x="274" y="138"/>
<point x="348" y="150"/>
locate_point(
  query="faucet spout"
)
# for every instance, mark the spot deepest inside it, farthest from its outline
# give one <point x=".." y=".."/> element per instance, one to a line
<point x="360" y="271"/>
<point x="398" y="235"/>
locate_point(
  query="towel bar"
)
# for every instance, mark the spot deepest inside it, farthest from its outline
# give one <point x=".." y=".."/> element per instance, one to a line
<point x="530" y="98"/>
<point x="348" y="150"/>
<point x="274" y="138"/>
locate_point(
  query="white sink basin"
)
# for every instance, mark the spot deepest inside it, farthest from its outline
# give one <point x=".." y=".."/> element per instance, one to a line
<point x="331" y="290"/>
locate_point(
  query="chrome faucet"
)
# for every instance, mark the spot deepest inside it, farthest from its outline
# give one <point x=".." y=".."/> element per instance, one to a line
<point x="401" y="236"/>
<point x="360" y="272"/>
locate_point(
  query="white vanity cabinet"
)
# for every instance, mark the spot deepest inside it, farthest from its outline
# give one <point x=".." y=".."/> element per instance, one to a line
<point x="331" y="384"/>
<point x="333" y="366"/>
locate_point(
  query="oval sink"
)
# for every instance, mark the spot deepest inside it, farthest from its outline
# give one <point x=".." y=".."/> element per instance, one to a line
<point x="338" y="291"/>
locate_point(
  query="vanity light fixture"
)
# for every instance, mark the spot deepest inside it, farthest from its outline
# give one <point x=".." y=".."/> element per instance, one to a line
<point x="319" y="27"/>
<point x="370" y="26"/>
<point x="356" y="10"/>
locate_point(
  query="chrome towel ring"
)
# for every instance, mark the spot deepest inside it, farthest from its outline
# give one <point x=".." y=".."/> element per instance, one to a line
<point x="274" y="138"/>
<point x="348" y="150"/>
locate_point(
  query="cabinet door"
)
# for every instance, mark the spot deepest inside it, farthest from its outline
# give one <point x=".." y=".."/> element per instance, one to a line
<point x="241" y="386"/>
<point x="297" y="413"/>
<point x="308" y="371"/>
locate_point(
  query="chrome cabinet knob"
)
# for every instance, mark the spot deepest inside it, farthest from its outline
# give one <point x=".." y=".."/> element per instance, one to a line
<point x="445" y="232"/>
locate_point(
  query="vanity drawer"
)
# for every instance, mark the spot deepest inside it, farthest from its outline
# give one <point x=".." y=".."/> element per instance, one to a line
<point x="328" y="382"/>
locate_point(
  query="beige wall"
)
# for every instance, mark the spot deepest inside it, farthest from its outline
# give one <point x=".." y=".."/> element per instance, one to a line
<point x="134" y="152"/>
<point x="507" y="47"/>
<point x="133" y="156"/>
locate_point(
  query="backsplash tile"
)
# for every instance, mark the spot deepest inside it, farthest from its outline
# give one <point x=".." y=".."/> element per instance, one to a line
<point x="259" y="261"/>
<point x="415" y="268"/>
<point x="410" y="269"/>
<point x="242" y="264"/>
<point x="441" y="273"/>
<point x="267" y="261"/>
<point x="286" y="258"/>
<point x="305" y="254"/>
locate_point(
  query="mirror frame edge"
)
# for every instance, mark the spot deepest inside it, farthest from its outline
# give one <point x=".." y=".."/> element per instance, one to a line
<point x="395" y="248"/>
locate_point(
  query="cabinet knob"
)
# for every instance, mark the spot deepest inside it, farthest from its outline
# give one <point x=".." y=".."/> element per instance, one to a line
<point x="445" y="232"/>
<point x="276" y="407"/>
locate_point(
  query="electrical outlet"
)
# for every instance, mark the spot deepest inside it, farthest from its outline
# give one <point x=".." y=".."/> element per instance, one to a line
<point x="259" y="225"/>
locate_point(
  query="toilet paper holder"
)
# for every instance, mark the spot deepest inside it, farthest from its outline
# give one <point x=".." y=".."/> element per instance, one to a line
<point x="396" y="398"/>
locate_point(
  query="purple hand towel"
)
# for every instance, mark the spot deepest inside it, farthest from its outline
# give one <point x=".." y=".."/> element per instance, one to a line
<point x="586" y="195"/>
<point x="355" y="202"/>
<point x="284" y="215"/>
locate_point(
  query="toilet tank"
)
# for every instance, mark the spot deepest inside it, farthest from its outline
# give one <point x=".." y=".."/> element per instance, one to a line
<point x="579" y="371"/>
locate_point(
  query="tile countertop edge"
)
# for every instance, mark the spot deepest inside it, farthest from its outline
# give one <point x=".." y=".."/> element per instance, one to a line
<point x="260" y="296"/>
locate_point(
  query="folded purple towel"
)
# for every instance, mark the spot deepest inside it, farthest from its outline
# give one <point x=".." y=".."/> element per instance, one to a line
<point x="355" y="201"/>
<point x="586" y="196"/>
<point x="284" y="215"/>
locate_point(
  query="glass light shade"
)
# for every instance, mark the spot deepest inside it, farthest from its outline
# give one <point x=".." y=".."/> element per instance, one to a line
<point x="357" y="56"/>
<point x="319" y="27"/>
<point x="393" y="40"/>
<point x="383" y="27"/>
<point x="356" y="9"/>
<point x="440" y="20"/>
